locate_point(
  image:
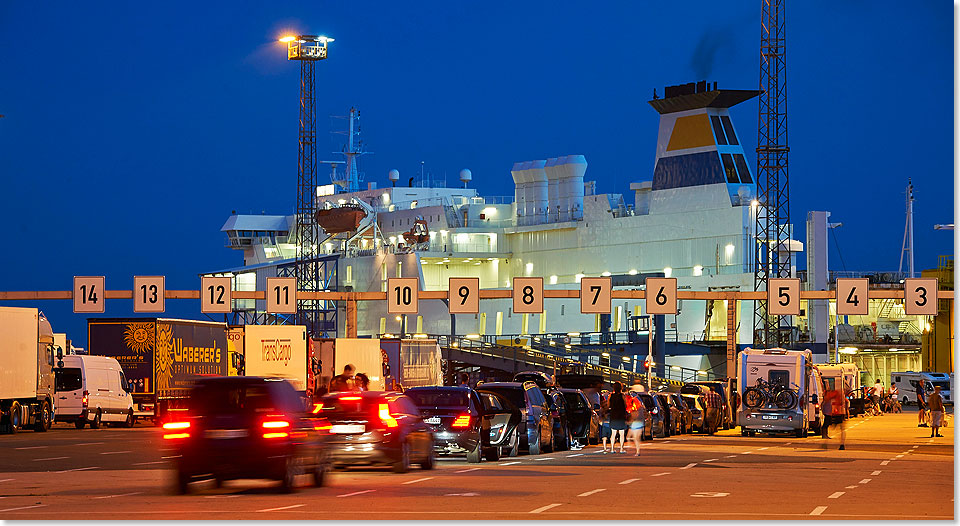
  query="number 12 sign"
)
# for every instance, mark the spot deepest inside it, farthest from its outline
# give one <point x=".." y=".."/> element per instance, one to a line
<point x="215" y="295"/>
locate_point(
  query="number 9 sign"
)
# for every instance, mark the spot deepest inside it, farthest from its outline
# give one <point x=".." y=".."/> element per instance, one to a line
<point x="920" y="296"/>
<point x="464" y="296"/>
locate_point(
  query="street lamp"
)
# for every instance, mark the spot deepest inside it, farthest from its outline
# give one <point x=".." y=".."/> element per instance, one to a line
<point x="306" y="47"/>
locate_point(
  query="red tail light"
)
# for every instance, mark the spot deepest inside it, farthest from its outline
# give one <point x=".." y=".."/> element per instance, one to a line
<point x="322" y="426"/>
<point x="385" y="416"/>
<point x="176" y="426"/>
<point x="351" y="398"/>
<point x="85" y="400"/>
<point x="461" y="421"/>
<point x="276" y="424"/>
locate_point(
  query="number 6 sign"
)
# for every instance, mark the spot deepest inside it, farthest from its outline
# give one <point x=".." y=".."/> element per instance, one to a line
<point x="783" y="297"/>
<point x="661" y="295"/>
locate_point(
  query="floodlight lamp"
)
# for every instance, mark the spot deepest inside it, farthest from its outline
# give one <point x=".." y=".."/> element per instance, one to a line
<point x="287" y="38"/>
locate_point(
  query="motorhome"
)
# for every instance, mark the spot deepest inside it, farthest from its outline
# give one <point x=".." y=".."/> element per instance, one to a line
<point x="906" y="383"/>
<point x="775" y="391"/>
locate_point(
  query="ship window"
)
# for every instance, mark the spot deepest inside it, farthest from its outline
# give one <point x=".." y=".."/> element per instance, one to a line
<point x="718" y="130"/>
<point x="728" y="130"/>
<point x="729" y="168"/>
<point x="742" y="168"/>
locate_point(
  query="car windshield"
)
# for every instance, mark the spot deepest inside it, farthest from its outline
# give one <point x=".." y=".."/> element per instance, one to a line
<point x="513" y="394"/>
<point x="68" y="379"/>
<point x="438" y="397"/>
<point x="231" y="399"/>
<point x="691" y="401"/>
<point x="574" y="400"/>
<point x="648" y="401"/>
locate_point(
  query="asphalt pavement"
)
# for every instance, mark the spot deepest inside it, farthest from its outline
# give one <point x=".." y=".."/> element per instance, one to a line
<point x="890" y="469"/>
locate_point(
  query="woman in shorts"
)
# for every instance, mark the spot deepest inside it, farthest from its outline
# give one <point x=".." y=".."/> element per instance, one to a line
<point x="637" y="421"/>
<point x="618" y="416"/>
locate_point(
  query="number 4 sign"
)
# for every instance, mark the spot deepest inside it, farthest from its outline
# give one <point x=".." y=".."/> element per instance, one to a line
<point x="852" y="296"/>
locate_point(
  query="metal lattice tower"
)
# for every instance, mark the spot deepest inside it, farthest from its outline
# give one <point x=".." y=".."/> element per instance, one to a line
<point x="773" y="181"/>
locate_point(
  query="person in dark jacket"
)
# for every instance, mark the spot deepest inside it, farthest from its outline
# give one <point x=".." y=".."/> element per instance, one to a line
<point x="618" y="416"/>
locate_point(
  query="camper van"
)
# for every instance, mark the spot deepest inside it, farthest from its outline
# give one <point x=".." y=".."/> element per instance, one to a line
<point x="775" y="391"/>
<point x="906" y="383"/>
<point x="92" y="389"/>
<point x="815" y="388"/>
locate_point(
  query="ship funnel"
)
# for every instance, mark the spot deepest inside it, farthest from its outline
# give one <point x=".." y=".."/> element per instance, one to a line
<point x="538" y="192"/>
<point x="570" y="190"/>
<point x="519" y="197"/>
<point x="553" y="181"/>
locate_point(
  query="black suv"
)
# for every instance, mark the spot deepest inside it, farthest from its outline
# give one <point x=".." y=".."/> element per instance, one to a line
<point x="584" y="419"/>
<point x="245" y="428"/>
<point x="461" y="423"/>
<point x="536" y="422"/>
<point x="558" y="406"/>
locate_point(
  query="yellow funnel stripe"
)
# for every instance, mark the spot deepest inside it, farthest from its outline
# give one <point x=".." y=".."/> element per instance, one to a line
<point x="692" y="131"/>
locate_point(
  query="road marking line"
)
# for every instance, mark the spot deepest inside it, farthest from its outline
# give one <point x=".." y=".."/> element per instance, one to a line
<point x="357" y="493"/>
<point x="77" y="469"/>
<point x="746" y="452"/>
<point x="544" y="508"/>
<point x="711" y="460"/>
<point x="762" y="448"/>
<point x="49" y="458"/>
<point x="661" y="474"/>
<point x="120" y="495"/>
<point x="220" y="496"/>
<point x="543" y="458"/>
<point x="729" y="456"/>
<point x="174" y="456"/>
<point x="628" y="481"/>
<point x="114" y="452"/>
<point x="885" y="462"/>
<point x="876" y="473"/>
<point x="89" y="444"/>
<point x="690" y="465"/>
<point x="416" y="480"/>
<point x="509" y="463"/>
<point x="836" y="495"/>
<point x="818" y="510"/>
<point x="466" y="470"/>
<point x="5" y="480"/>
<point x="23" y="508"/>
<point x="577" y="455"/>
<point x="900" y="456"/>
<point x="32" y="447"/>
<point x="864" y="481"/>
<point x="852" y="487"/>
<point x="591" y="492"/>
<point x="148" y="463"/>
<point x="284" y="507"/>
<point x="915" y="447"/>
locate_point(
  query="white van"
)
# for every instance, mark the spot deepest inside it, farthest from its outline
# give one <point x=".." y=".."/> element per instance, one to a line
<point x="906" y="383"/>
<point x="775" y="391"/>
<point x="92" y="389"/>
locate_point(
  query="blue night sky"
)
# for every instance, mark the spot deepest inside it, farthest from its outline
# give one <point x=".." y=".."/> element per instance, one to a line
<point x="132" y="129"/>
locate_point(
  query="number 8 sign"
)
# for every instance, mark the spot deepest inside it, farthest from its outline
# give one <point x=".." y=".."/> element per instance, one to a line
<point x="527" y="295"/>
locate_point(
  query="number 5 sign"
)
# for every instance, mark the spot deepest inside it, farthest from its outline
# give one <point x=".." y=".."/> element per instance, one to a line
<point x="783" y="297"/>
<point x="920" y="296"/>
<point x="852" y="296"/>
<point x="661" y="295"/>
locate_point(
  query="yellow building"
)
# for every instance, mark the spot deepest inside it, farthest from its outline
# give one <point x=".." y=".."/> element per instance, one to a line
<point x="937" y="340"/>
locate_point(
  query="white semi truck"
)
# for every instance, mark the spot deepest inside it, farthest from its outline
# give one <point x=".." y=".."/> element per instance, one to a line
<point x="27" y="355"/>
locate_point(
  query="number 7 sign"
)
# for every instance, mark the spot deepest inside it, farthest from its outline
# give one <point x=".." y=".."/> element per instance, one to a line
<point x="595" y="297"/>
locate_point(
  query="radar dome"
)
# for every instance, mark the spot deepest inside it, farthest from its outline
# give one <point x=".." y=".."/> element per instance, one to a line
<point x="466" y="175"/>
<point x="394" y="175"/>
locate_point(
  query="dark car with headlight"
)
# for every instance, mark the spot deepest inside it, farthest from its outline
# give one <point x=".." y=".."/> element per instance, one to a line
<point x="461" y="424"/>
<point x="245" y="428"/>
<point x="375" y="428"/>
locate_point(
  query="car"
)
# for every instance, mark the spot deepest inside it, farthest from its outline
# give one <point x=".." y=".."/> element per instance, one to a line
<point x="656" y="425"/>
<point x="686" y="417"/>
<point x="536" y="422"/>
<point x="695" y="404"/>
<point x="728" y="412"/>
<point x="379" y="428"/>
<point x="92" y="389"/>
<point x="460" y="423"/>
<point x="673" y="414"/>
<point x="584" y="419"/>
<point x="558" y="406"/>
<point x="503" y="434"/>
<point x="244" y="427"/>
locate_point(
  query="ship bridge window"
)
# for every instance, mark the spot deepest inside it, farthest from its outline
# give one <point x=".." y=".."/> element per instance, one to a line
<point x="742" y="168"/>
<point x="718" y="130"/>
<point x="728" y="130"/>
<point x="729" y="168"/>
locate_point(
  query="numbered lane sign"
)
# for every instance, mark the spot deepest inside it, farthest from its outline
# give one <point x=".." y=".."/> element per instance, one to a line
<point x="661" y="295"/>
<point x="595" y="297"/>
<point x="403" y="295"/>
<point x="148" y="293"/>
<point x="527" y="295"/>
<point x="464" y="296"/>
<point x="281" y="295"/>
<point x="88" y="294"/>
<point x="920" y="296"/>
<point x="852" y="296"/>
<point x="783" y="297"/>
<point x="215" y="295"/>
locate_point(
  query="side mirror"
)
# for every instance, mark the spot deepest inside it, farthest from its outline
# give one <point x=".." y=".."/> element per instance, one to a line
<point x="60" y="357"/>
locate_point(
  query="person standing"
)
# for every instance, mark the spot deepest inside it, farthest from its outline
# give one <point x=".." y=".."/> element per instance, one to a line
<point x="605" y="421"/>
<point x="834" y="407"/>
<point x="875" y="394"/>
<point x="921" y="403"/>
<point x="935" y="401"/>
<point x="618" y="416"/>
<point x="464" y="380"/>
<point x="712" y="402"/>
<point x="638" y="418"/>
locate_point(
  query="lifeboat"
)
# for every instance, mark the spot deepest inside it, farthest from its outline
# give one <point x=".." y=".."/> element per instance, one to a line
<point x="344" y="218"/>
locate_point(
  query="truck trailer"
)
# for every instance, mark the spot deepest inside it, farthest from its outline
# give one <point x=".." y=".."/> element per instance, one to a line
<point x="160" y="357"/>
<point x="27" y="355"/>
<point x="390" y="364"/>
<point x="281" y="351"/>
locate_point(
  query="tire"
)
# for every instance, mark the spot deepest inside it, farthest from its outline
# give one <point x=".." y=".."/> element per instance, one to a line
<point x="473" y="457"/>
<point x="130" y="420"/>
<point x="291" y="468"/>
<point x="402" y="464"/>
<point x="492" y="454"/>
<point x="14" y="419"/>
<point x="46" y="419"/>
<point x="79" y="423"/>
<point x="428" y="462"/>
<point x="786" y="399"/>
<point x="534" y="448"/>
<point x="753" y="398"/>
<point x="801" y="433"/>
<point x="548" y="446"/>
<point x="181" y="485"/>
<point x="319" y="473"/>
<point x="515" y="449"/>
<point x="95" y="423"/>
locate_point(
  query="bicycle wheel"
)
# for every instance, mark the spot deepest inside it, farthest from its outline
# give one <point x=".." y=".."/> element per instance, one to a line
<point x="753" y="397"/>
<point x="786" y="399"/>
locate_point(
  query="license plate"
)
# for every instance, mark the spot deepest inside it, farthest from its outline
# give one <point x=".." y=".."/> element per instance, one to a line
<point x="226" y="433"/>
<point x="347" y="428"/>
<point x="432" y="420"/>
<point x="769" y="417"/>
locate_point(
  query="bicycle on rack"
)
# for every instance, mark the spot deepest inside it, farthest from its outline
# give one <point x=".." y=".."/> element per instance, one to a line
<point x="764" y="393"/>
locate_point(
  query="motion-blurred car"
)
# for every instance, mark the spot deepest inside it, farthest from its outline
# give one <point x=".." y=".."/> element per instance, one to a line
<point x="672" y="414"/>
<point x="536" y="422"/>
<point x="460" y="423"/>
<point x="695" y="404"/>
<point x="584" y="419"/>
<point x="376" y="428"/>
<point x="655" y="426"/>
<point x="686" y="415"/>
<point x="245" y="428"/>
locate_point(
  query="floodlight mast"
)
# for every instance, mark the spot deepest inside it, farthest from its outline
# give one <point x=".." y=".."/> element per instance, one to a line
<point x="308" y="49"/>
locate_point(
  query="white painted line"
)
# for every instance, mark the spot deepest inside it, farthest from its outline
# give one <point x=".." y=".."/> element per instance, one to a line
<point x="32" y="447"/>
<point x="915" y="447"/>
<point x="762" y="448"/>
<point x="661" y="474"/>
<point x="900" y="456"/>
<point x="545" y="508"/>
<point x="23" y="508"/>
<point x="836" y="495"/>
<point x="114" y="452"/>
<point x="746" y="452"/>
<point x="416" y="480"/>
<point x="885" y="462"/>
<point x="864" y="481"/>
<point x="77" y="469"/>
<point x="5" y="480"/>
<point x="908" y="451"/>
<point x="543" y="458"/>
<point x="591" y="492"/>
<point x="149" y="463"/>
<point x="284" y="507"/>
<point x="221" y="496"/>
<point x="690" y="465"/>
<point x="357" y="493"/>
<point x="509" y="463"/>
<point x="120" y="495"/>
<point x="628" y="481"/>
<point x="49" y="458"/>
<point x="711" y="460"/>
<point x="852" y="487"/>
<point x="577" y="455"/>
<point x="89" y="444"/>
<point x="466" y="470"/>
<point x="729" y="456"/>
<point x="174" y="456"/>
<point x="875" y="473"/>
<point x="818" y="510"/>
